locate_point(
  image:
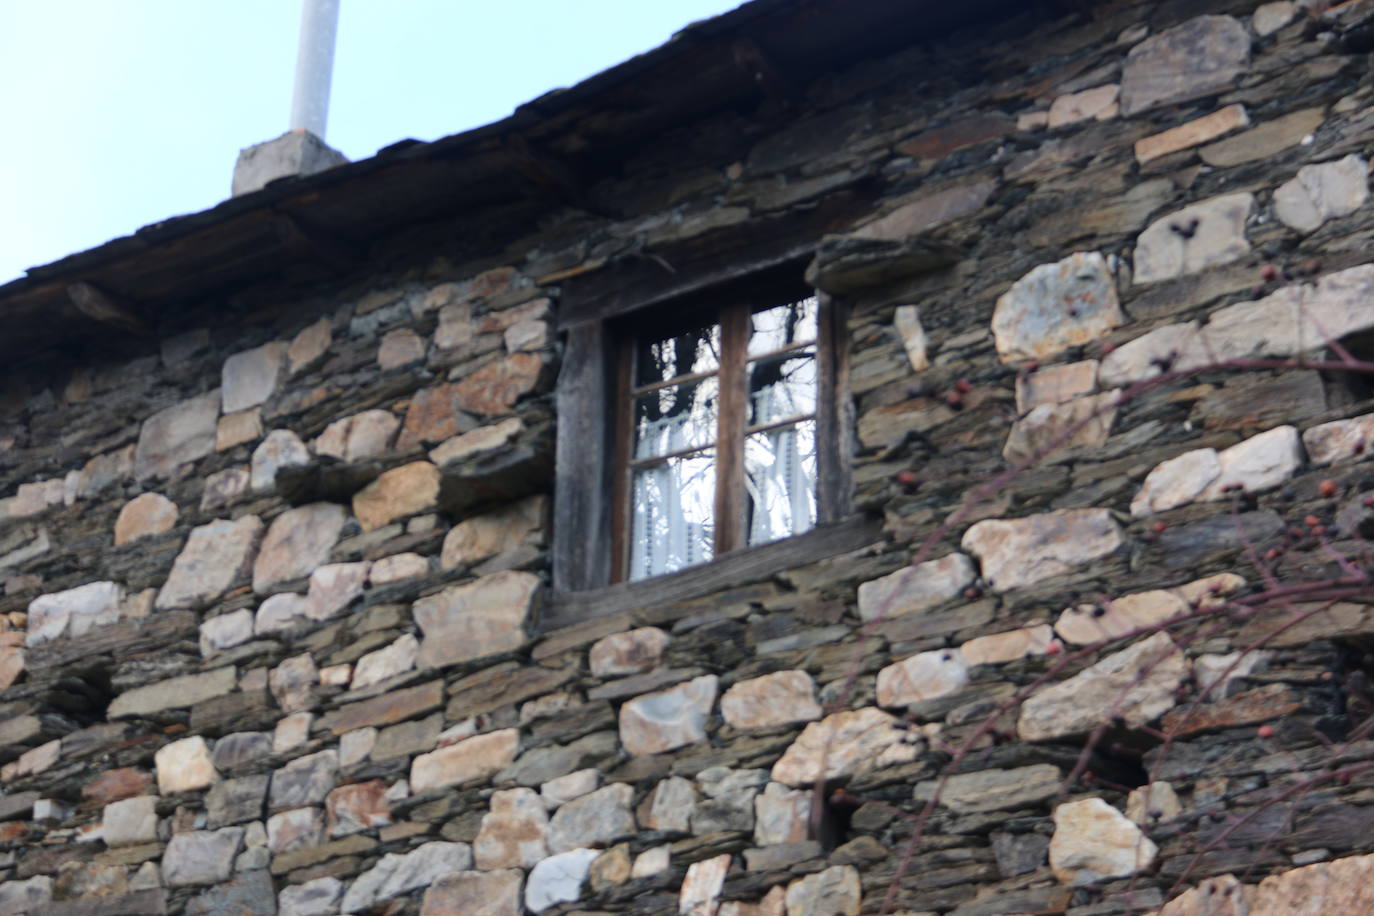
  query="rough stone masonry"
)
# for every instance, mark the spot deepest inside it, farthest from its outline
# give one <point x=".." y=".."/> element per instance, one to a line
<point x="276" y="574"/>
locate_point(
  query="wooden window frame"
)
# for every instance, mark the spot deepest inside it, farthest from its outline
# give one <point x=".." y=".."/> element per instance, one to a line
<point x="590" y="452"/>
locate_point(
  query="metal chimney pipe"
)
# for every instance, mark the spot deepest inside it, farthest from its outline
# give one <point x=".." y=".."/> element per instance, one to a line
<point x="314" y="65"/>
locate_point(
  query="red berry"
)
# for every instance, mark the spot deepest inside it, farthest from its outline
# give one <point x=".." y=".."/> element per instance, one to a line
<point x="971" y="593"/>
<point x="1271" y="554"/>
<point x="1269" y="272"/>
<point x="962" y="386"/>
<point x="907" y="478"/>
<point x="1368" y="501"/>
<point x="1311" y="521"/>
<point x="1327" y="488"/>
<point x="1054" y="648"/>
<point x="954" y="399"/>
<point x="1318" y="530"/>
<point x="1107" y="348"/>
<point x="1161" y="527"/>
<point x="1265" y="731"/>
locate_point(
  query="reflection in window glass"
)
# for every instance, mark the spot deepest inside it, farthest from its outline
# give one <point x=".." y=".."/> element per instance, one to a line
<point x="780" y="477"/>
<point x="783" y="325"/>
<point x="675" y="417"/>
<point x="782" y="387"/>
<point x="686" y="354"/>
<point x="672" y="506"/>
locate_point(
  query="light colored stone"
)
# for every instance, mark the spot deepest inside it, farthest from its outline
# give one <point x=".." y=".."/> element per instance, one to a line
<point x="319" y="897"/>
<point x="397" y="874"/>
<point x="596" y="819"/>
<point x="494" y="389"/>
<point x="173" y="693"/>
<point x="364" y="435"/>
<point x="377" y="666"/>
<point x="1209" y="592"/>
<point x="130" y="821"/>
<point x="1192" y="133"/>
<point x="1098" y="103"/>
<point x="994" y="790"/>
<point x="216" y="555"/>
<point x="1086" y="624"/>
<point x="143" y="516"/>
<point x="1340" y="440"/>
<point x="1339" y="886"/>
<point x="398" y="567"/>
<point x="33" y="498"/>
<point x="630" y="652"/>
<point x="782" y="815"/>
<point x="1000" y="648"/>
<point x="1094" y="842"/>
<point x="475" y="893"/>
<point x="400" y="492"/>
<point x="774" y="699"/>
<point x="400" y="347"/>
<point x="907" y="322"/>
<point x="1176" y="482"/>
<point x="223" y="487"/>
<point x="297" y="542"/>
<point x="702" y="885"/>
<point x="455" y="326"/>
<point x="1023" y="551"/>
<point x="1219" y="676"/>
<point x="31" y="762"/>
<point x="280" y="450"/>
<point x="849" y="743"/>
<point x="558" y="879"/>
<point x="928" y="208"/>
<point x="1268" y="18"/>
<point x="833" y="892"/>
<point x="309" y="346"/>
<point x="293" y="682"/>
<point x="201" y="856"/>
<point x="22" y="896"/>
<point x="304" y="781"/>
<point x="1056" y="306"/>
<point x="299" y="828"/>
<point x="474" y="758"/>
<point x="281" y="612"/>
<point x="1136" y="685"/>
<point x="673" y="718"/>
<point x="475" y="539"/>
<point x="237" y="428"/>
<point x="1322" y="192"/>
<point x="357" y="807"/>
<point x="475" y="442"/>
<point x="912" y="589"/>
<point x="184" y="766"/>
<point x="177" y="435"/>
<point x="12" y="661"/>
<point x="1153" y="803"/>
<point x="1206" y="234"/>
<point x="564" y="789"/>
<point x="651" y="862"/>
<point x="333" y="587"/>
<point x="1055" y="384"/>
<point x="526" y="335"/>
<point x="225" y="632"/>
<point x="291" y="732"/>
<point x="251" y="377"/>
<point x="1264" y="141"/>
<point x="355" y="746"/>
<point x="669" y="806"/>
<point x="1081" y="423"/>
<point x="514" y="833"/>
<point x="467" y="622"/>
<point x="924" y="676"/>
<point x="73" y="612"/>
<point x="1190" y="60"/>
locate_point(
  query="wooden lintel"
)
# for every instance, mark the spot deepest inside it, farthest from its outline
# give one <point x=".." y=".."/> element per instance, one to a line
<point x="105" y="307"/>
<point x="309" y="242"/>
<point x="750" y="58"/>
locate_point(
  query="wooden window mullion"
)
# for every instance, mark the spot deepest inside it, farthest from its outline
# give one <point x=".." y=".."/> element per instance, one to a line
<point x="623" y="493"/>
<point x="729" y="506"/>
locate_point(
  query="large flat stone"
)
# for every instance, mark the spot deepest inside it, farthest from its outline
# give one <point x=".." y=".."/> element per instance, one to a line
<point x="184" y="766"/>
<point x="1023" y="551"/>
<point x="201" y="856"/>
<point x="781" y="698"/>
<point x="913" y="589"/>
<point x="1094" y="842"/>
<point x="1321" y="192"/>
<point x="1192" y="133"/>
<point x="1206" y="234"/>
<point x="1193" y="59"/>
<point x="485" y="617"/>
<point x="1263" y="141"/>
<point x="215" y="556"/>
<point x="924" y="676"/>
<point x="475" y="893"/>
<point x="174" y="693"/>
<point x="143" y="516"/>
<point x="251" y="377"/>
<point x="994" y="790"/>
<point x="514" y="832"/>
<point x="850" y="743"/>
<point x="177" y="435"/>
<point x="1135" y="686"/>
<point x="397" y="874"/>
<point x="597" y="819"/>
<point x="298" y="541"/>
<point x="400" y="492"/>
<point x="73" y="612"/>
<point x="658" y="722"/>
<point x="474" y="758"/>
<point x="558" y="879"/>
<point x="1056" y="306"/>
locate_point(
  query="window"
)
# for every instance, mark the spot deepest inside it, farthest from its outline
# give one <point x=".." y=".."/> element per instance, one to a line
<point x="716" y="436"/>
<point x="702" y="436"/>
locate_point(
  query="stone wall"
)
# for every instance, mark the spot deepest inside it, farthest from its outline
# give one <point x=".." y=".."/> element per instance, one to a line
<point x="273" y="582"/>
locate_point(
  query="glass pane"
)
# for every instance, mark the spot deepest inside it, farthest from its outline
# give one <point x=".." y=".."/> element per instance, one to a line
<point x="676" y="417"/>
<point x="780" y="476"/>
<point x="783" y="325"/>
<point x="671" y="509"/>
<point x="686" y="354"/>
<point x="782" y="387"/>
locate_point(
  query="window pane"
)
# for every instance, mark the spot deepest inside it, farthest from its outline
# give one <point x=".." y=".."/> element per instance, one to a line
<point x="685" y="354"/>
<point x="780" y="476"/>
<point x="671" y="508"/>
<point x="676" y="417"/>
<point x="783" y="325"/>
<point x="782" y="387"/>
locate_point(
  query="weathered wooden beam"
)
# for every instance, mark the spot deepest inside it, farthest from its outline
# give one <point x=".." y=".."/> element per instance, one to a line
<point x="312" y="243"/>
<point x="104" y="307"/>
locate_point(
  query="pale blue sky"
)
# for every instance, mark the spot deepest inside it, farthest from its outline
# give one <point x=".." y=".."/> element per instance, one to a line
<point x="120" y="113"/>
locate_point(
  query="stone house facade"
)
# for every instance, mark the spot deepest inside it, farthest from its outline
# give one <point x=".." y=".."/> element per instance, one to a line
<point x="336" y="580"/>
